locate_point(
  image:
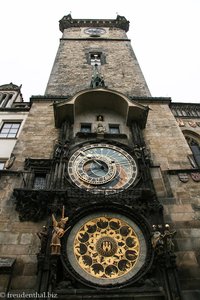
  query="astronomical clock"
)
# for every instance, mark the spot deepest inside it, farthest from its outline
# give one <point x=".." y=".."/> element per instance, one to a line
<point x="102" y="167"/>
<point x="107" y="244"/>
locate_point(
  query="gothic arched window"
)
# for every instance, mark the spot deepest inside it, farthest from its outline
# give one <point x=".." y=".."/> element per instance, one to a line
<point x="194" y="143"/>
<point x="5" y="99"/>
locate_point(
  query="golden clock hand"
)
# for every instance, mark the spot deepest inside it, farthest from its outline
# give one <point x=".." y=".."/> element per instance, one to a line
<point x="90" y="156"/>
<point x="98" y="163"/>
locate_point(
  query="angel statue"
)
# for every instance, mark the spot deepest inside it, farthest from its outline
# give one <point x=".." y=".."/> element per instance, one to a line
<point x="58" y="232"/>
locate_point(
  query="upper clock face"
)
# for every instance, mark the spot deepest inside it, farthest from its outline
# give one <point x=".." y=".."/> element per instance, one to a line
<point x="99" y="167"/>
<point x="94" y="31"/>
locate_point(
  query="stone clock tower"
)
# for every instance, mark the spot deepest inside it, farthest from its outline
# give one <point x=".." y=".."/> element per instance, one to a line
<point x="89" y="176"/>
<point x="102" y="170"/>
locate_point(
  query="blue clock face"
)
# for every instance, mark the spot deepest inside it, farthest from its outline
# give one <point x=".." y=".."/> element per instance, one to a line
<point x="93" y="31"/>
<point x="98" y="167"/>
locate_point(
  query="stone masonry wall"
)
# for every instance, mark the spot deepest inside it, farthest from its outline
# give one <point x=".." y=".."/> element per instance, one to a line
<point x="38" y="136"/>
<point x="183" y="211"/>
<point x="181" y="200"/>
<point x="19" y="239"/>
<point x="72" y="73"/>
<point x="165" y="139"/>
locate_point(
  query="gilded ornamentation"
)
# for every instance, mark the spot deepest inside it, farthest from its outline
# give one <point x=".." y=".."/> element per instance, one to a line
<point x="106" y="247"/>
<point x="57" y="233"/>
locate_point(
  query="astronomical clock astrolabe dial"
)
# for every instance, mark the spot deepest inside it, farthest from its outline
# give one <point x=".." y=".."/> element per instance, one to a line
<point x="108" y="248"/>
<point x="102" y="167"/>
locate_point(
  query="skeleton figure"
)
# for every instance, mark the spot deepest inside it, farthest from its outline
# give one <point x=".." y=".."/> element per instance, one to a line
<point x="168" y="236"/>
<point x="57" y="233"/>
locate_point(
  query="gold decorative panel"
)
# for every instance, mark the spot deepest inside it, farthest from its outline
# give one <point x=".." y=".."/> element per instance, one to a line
<point x="106" y="248"/>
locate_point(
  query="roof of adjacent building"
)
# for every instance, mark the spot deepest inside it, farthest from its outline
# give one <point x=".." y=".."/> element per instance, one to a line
<point x="10" y="86"/>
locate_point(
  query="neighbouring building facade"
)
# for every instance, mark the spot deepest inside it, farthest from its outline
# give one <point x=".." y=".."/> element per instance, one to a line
<point x="102" y="195"/>
<point x="13" y="112"/>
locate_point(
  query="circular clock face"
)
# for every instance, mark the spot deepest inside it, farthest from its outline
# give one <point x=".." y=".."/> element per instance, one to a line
<point x="95" y="31"/>
<point x="102" y="167"/>
<point x="107" y="248"/>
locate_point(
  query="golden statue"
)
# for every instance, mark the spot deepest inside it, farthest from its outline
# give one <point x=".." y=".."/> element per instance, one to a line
<point x="58" y="232"/>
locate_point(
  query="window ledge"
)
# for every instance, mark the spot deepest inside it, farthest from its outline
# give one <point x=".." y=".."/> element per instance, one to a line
<point x="106" y="135"/>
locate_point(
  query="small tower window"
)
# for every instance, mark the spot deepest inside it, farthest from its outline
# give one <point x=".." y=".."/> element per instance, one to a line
<point x="39" y="181"/>
<point x="86" y="127"/>
<point x="114" y="128"/>
<point x="95" y="59"/>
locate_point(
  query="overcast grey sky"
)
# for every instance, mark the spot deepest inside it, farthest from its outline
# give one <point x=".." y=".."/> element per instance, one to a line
<point x="165" y="37"/>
